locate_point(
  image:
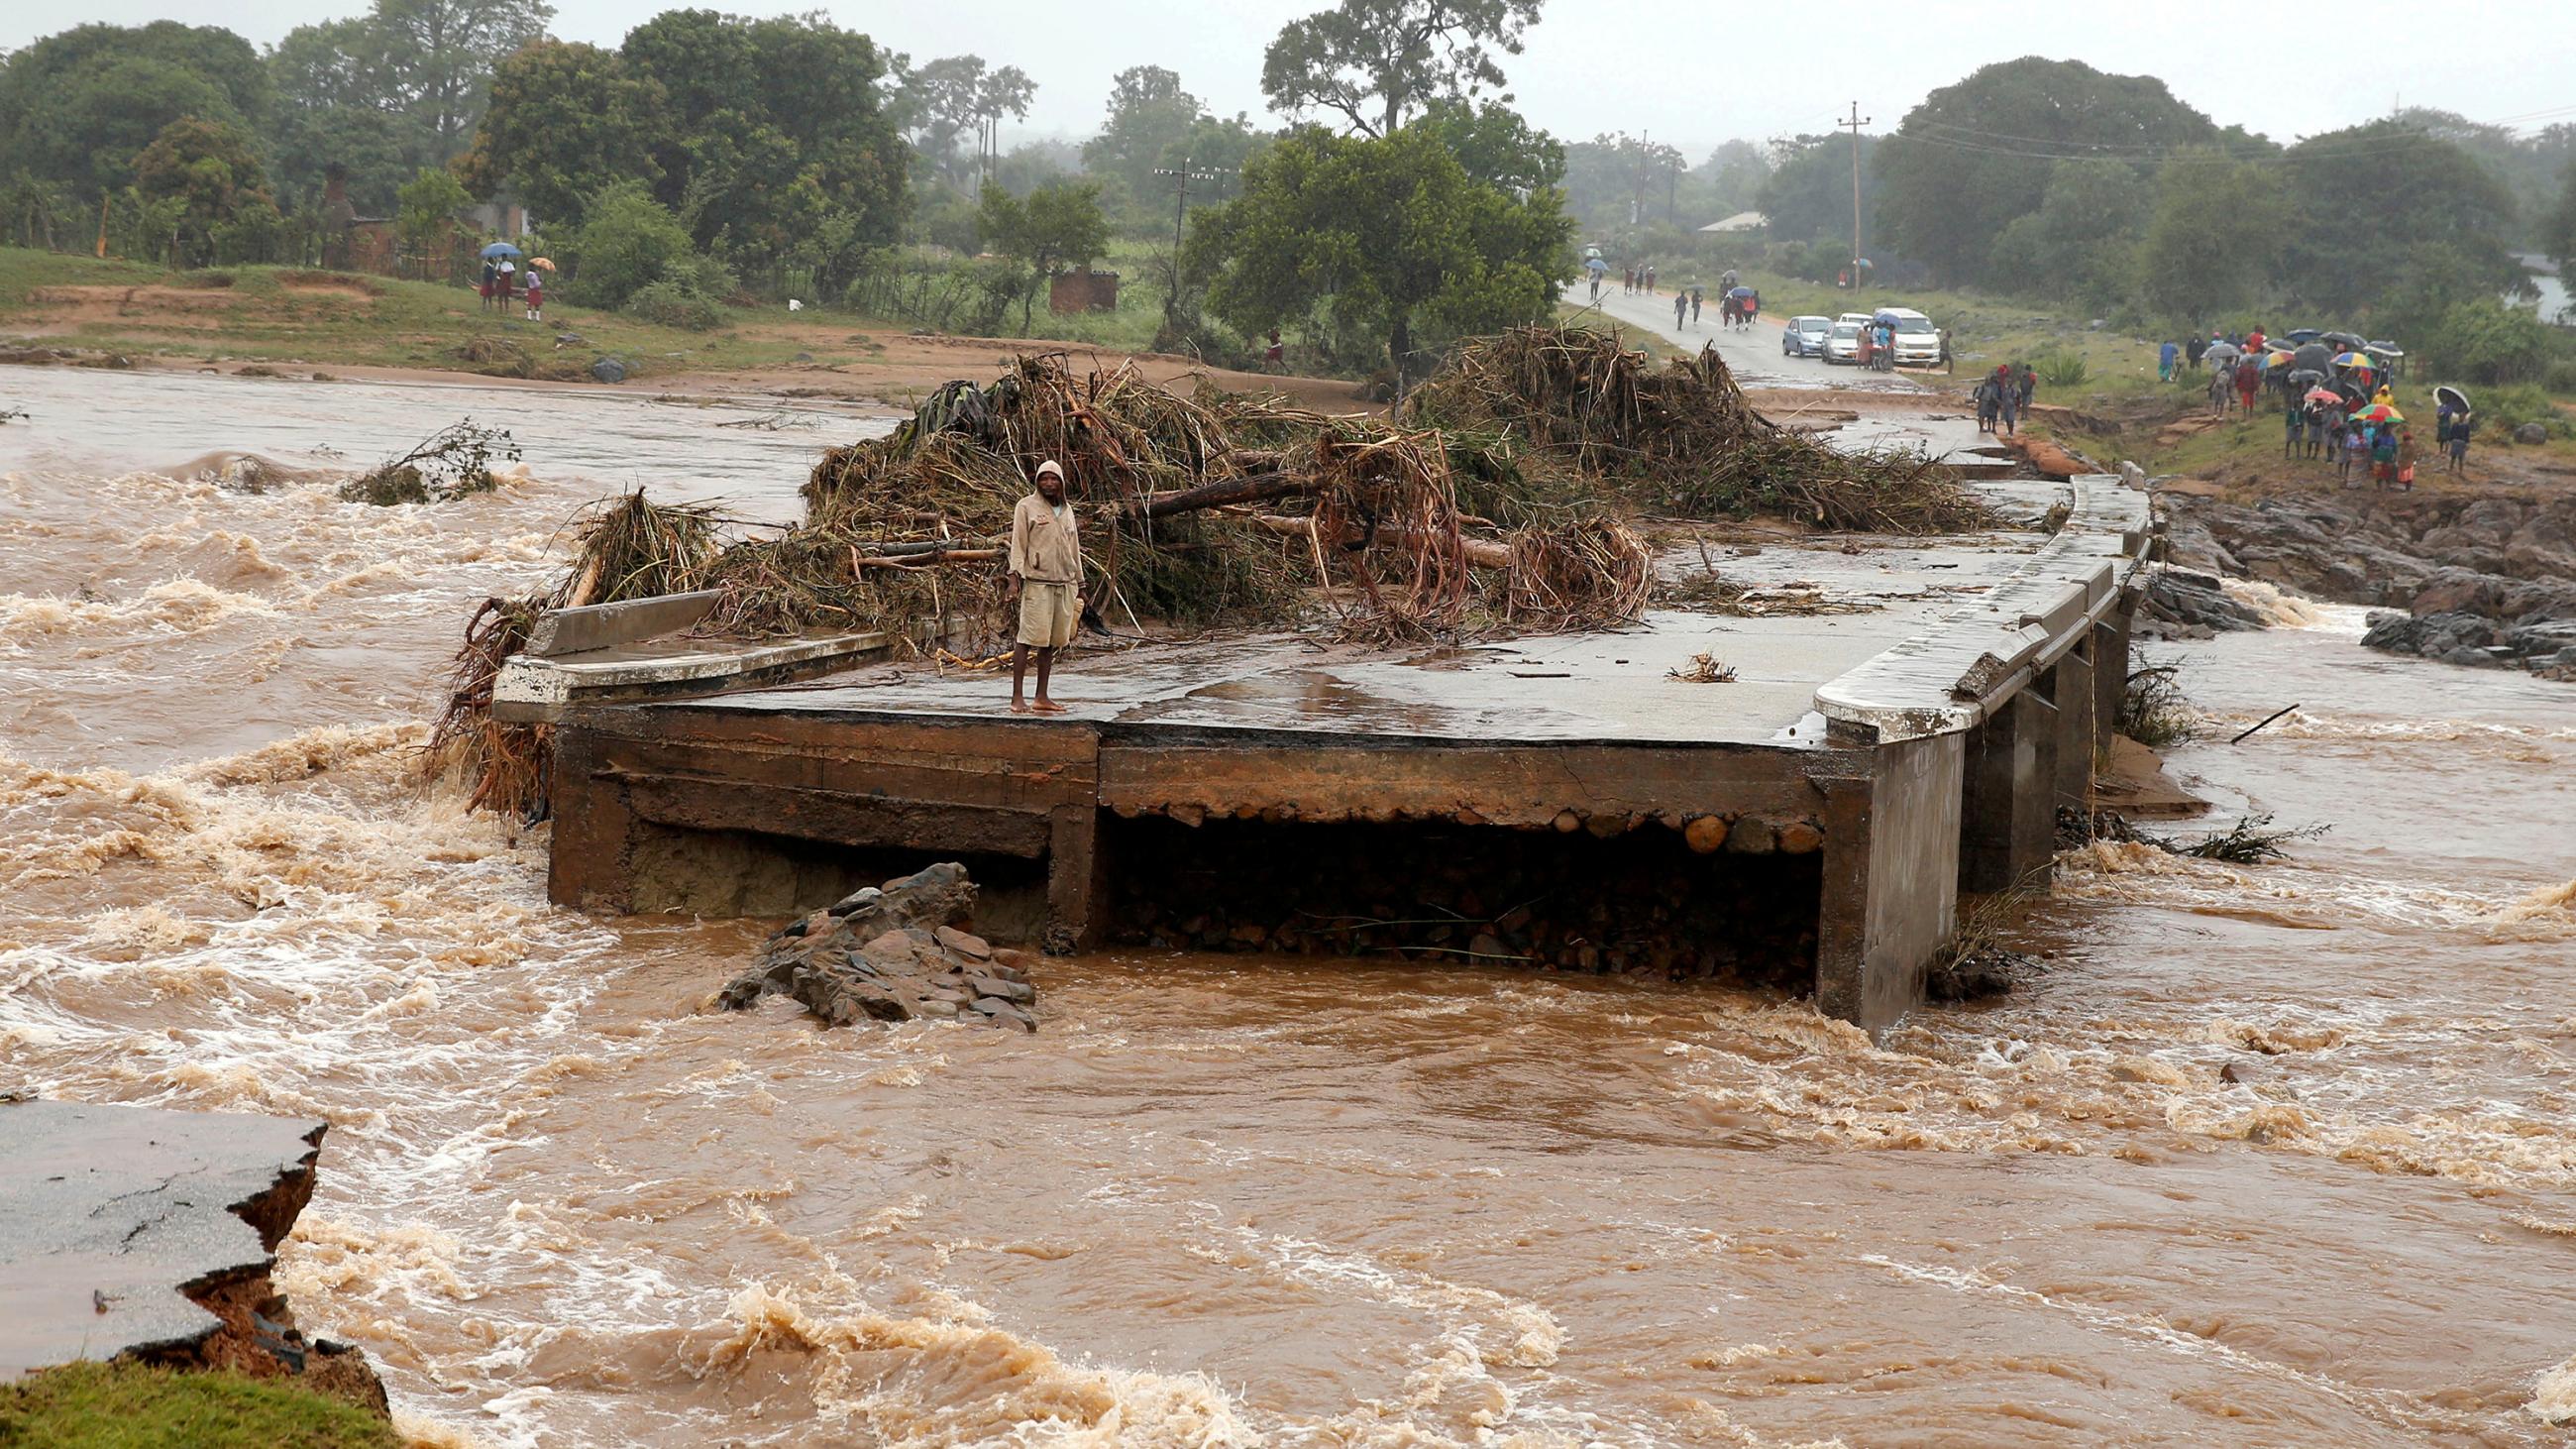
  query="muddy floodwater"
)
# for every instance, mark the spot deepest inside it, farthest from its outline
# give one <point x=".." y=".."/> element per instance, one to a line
<point x="1227" y="1201"/>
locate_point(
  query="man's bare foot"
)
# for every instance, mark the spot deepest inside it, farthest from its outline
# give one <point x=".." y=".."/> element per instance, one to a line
<point x="1019" y="706"/>
<point x="1048" y="706"/>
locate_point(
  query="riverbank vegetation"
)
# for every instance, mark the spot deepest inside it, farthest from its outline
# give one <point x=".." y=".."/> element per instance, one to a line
<point x="854" y="179"/>
<point x="133" y="1406"/>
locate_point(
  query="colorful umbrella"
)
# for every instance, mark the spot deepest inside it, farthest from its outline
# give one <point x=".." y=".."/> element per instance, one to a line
<point x="542" y="264"/>
<point x="2280" y="359"/>
<point x="2353" y="359"/>
<point x="2379" y="413"/>
<point x="2323" y="395"/>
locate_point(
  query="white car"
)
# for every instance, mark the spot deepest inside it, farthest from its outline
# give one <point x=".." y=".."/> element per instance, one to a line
<point x="1842" y="344"/>
<point x="1917" y="343"/>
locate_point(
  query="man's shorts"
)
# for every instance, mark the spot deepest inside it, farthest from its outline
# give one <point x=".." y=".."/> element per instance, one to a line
<point x="1047" y="615"/>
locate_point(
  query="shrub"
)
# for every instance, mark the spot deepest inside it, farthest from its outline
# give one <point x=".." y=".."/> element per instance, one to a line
<point x="2562" y="377"/>
<point x="2500" y="410"/>
<point x="2485" y="341"/>
<point x="2062" y="369"/>
<point x="629" y="242"/>
<point x="669" y="304"/>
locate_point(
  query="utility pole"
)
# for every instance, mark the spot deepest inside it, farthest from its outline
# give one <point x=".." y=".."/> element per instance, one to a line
<point x="1853" y="125"/>
<point x="1181" y="176"/>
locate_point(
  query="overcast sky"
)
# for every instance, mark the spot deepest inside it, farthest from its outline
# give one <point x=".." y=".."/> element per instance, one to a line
<point x="1686" y="71"/>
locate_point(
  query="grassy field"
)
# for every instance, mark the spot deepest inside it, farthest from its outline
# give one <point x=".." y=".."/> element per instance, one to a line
<point x="287" y="316"/>
<point x="126" y="1406"/>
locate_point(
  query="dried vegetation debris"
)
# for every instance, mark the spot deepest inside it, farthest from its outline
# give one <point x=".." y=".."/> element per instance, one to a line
<point x="1501" y="501"/>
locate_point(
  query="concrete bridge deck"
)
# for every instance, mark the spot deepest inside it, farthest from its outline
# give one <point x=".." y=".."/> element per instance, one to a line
<point x="1915" y="746"/>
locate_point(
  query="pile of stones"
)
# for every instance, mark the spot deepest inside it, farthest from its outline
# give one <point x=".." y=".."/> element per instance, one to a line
<point x="894" y="952"/>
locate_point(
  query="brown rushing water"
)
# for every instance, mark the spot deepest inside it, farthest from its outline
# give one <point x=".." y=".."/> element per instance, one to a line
<point x="1228" y="1201"/>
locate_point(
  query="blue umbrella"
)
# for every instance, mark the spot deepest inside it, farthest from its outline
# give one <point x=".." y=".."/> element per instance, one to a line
<point x="501" y="249"/>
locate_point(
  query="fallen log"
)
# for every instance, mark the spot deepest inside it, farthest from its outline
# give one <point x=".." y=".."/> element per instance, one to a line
<point x="923" y="559"/>
<point x="1483" y="553"/>
<point x="1227" y="492"/>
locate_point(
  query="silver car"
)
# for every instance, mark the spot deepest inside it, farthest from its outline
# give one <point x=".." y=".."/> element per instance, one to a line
<point x="1842" y="344"/>
<point x="1805" y="336"/>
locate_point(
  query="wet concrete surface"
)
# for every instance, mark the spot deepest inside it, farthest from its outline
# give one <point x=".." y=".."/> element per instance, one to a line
<point x="111" y="1209"/>
<point x="1569" y="688"/>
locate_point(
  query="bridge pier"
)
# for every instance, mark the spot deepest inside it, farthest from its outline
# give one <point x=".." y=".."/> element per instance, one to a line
<point x="2008" y="816"/>
<point x="2071" y="689"/>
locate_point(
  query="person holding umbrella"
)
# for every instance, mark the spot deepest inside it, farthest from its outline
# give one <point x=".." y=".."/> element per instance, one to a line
<point x="537" y="289"/>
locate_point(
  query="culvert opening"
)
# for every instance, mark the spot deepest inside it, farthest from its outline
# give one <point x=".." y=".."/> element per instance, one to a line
<point x="1640" y="903"/>
<point x="727" y="873"/>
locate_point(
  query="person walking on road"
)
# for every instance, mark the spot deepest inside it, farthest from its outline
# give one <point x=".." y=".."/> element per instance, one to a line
<point x="1947" y="366"/>
<point x="1650" y="282"/>
<point x="1045" y="574"/>
<point x="1695" y="301"/>
<point x="1681" y="308"/>
<point x="2026" y="388"/>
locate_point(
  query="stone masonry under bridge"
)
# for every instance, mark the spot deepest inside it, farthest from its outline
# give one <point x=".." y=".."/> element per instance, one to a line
<point x="1559" y="801"/>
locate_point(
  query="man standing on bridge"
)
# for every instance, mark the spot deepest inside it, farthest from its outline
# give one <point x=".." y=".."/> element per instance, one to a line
<point x="1045" y="571"/>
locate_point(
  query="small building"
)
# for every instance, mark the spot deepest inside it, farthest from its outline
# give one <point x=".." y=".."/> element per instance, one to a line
<point x="1742" y="221"/>
<point x="1083" y="290"/>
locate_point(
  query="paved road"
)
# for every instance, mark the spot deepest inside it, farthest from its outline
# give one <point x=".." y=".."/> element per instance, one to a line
<point x="1753" y="353"/>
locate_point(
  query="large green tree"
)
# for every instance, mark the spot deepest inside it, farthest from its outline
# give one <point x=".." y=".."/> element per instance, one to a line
<point x="211" y="171"/>
<point x="2370" y="198"/>
<point x="386" y="93"/>
<point x="1808" y="195"/>
<point x="1149" y="115"/>
<point x="1614" y="180"/>
<point x="77" y="107"/>
<point x="566" y="119"/>
<point x="1377" y="63"/>
<point x="2214" y="240"/>
<point x="1382" y="237"/>
<point x="1976" y="155"/>
<point x="2080" y="244"/>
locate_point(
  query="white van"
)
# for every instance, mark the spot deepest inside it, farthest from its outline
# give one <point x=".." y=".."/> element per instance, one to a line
<point x="1917" y="342"/>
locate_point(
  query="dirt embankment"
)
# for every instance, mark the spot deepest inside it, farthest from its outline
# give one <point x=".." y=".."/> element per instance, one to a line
<point x="309" y="317"/>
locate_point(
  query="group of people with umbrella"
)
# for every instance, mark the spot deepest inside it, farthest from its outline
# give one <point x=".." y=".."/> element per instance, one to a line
<point x="2338" y="402"/>
<point x="502" y="280"/>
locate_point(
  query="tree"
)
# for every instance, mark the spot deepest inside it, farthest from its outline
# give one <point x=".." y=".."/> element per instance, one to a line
<point x="209" y="168"/>
<point x="1060" y="223"/>
<point x="2558" y="229"/>
<point x="1615" y="181"/>
<point x="1808" y="195"/>
<point x="2080" y="244"/>
<point x="2369" y="197"/>
<point x="1149" y="114"/>
<point x="1496" y="146"/>
<point x="2484" y="341"/>
<point x="1377" y="63"/>
<point x="629" y="242"/>
<point x="565" y="118"/>
<point x="77" y="107"/>
<point x="1977" y="154"/>
<point x="427" y="204"/>
<point x="1386" y="236"/>
<point x="335" y="106"/>
<point x="440" y="55"/>
<point x="2214" y="238"/>
<point x="953" y="97"/>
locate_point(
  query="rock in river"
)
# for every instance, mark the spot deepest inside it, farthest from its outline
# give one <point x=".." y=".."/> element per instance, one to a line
<point x="892" y="953"/>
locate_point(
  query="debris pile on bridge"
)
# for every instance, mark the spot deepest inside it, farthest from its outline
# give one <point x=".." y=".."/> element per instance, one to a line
<point x="1501" y="503"/>
<point x="1572" y="409"/>
<point x="895" y="952"/>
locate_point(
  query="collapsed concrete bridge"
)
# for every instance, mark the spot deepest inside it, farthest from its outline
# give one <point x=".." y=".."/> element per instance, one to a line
<point x="1812" y="821"/>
